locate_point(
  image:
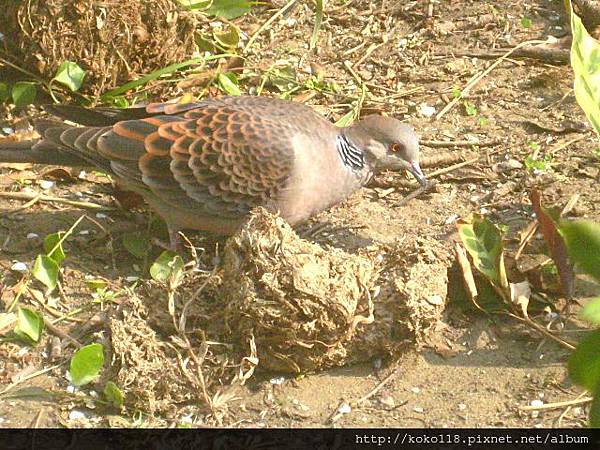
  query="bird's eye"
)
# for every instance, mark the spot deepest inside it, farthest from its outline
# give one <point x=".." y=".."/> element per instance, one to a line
<point x="396" y="147"/>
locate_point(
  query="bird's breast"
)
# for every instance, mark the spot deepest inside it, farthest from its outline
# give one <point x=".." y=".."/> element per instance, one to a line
<point x="317" y="181"/>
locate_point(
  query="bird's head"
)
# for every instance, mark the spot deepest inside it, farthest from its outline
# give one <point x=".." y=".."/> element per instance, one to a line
<point x="388" y="144"/>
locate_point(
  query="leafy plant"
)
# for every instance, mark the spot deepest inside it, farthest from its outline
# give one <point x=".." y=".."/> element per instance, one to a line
<point x="526" y="22"/>
<point x="582" y="238"/>
<point x="534" y="164"/>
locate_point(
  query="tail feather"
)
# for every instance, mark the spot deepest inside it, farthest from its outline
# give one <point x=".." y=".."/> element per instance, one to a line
<point x="37" y="152"/>
<point x="97" y="117"/>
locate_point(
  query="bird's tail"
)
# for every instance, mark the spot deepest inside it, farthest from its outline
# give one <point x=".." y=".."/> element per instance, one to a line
<point x="36" y="152"/>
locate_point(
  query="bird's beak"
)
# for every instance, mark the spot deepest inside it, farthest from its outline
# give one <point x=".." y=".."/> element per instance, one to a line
<point x="416" y="171"/>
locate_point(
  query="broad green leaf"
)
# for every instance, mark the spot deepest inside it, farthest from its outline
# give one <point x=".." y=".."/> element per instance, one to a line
<point x="23" y="93"/>
<point x="229" y="9"/>
<point x="167" y="265"/>
<point x="585" y="60"/>
<point x="483" y="241"/>
<point x="584" y="363"/>
<point x="4" y="92"/>
<point x="30" y="325"/>
<point x="582" y="238"/>
<point x="113" y="394"/>
<point x="51" y="241"/>
<point x="229" y="38"/>
<point x="526" y="22"/>
<point x="138" y="244"/>
<point x="229" y="84"/>
<point x="283" y="78"/>
<point x="591" y="311"/>
<point x="71" y="75"/>
<point x="46" y="270"/>
<point x="86" y="364"/>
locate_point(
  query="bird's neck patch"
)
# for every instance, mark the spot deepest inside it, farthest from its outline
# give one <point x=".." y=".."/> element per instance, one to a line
<point x="351" y="155"/>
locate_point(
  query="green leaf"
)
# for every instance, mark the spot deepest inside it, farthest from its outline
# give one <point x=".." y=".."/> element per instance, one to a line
<point x="582" y="238"/>
<point x="51" y="241"/>
<point x="318" y="21"/>
<point x="229" y="9"/>
<point x="194" y="4"/>
<point x="46" y="270"/>
<point x="110" y="95"/>
<point x="584" y="363"/>
<point x="229" y="38"/>
<point x="95" y="283"/>
<point x="86" y="364"/>
<point x="526" y="22"/>
<point x="470" y="109"/>
<point x="167" y="265"/>
<point x="591" y="311"/>
<point x="23" y="93"/>
<point x="138" y="244"/>
<point x="4" y="92"/>
<point x="483" y="241"/>
<point x="585" y="60"/>
<point x="229" y="84"/>
<point x="30" y="325"/>
<point x="71" y="75"/>
<point x="113" y="394"/>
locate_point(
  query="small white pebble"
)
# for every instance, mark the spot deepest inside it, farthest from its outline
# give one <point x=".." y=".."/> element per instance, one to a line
<point x="19" y="267"/>
<point x="84" y="232"/>
<point x="76" y="415"/>
<point x="277" y="381"/>
<point x="291" y="22"/>
<point x="418" y="409"/>
<point x="462" y="406"/>
<point x="101" y="216"/>
<point x="484" y="211"/>
<point x="451" y="219"/>
<point x="82" y="175"/>
<point x="2" y="419"/>
<point x="187" y="419"/>
<point x="8" y="130"/>
<point x="426" y="110"/>
<point x="470" y="352"/>
<point x="71" y="389"/>
<point x="131" y="278"/>
<point x="46" y="184"/>
<point x="577" y="411"/>
<point x="536" y="403"/>
<point x="415" y="390"/>
<point x="93" y="394"/>
<point x="535" y="414"/>
<point x="344" y="408"/>
<point x="32" y="235"/>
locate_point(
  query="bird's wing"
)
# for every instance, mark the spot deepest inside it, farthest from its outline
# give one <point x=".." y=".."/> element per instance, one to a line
<point x="211" y="158"/>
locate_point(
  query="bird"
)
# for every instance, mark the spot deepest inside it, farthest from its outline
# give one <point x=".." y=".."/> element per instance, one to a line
<point x="205" y="165"/>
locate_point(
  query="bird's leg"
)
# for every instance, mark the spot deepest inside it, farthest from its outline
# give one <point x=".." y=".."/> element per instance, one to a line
<point x="175" y="242"/>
